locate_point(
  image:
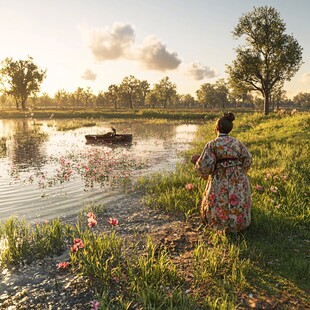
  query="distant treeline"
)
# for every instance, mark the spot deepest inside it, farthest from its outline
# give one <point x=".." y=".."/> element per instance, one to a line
<point x="136" y="94"/>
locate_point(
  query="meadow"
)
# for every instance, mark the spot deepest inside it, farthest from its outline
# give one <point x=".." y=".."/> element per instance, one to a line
<point x="268" y="265"/>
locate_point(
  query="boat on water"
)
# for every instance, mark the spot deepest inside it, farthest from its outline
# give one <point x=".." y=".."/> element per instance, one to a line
<point x="110" y="137"/>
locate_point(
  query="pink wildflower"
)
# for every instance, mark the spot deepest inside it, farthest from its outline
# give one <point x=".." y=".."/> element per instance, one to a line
<point x="79" y="243"/>
<point x="62" y="265"/>
<point x="92" y="222"/>
<point x="113" y="221"/>
<point x="95" y="304"/>
<point x="259" y="188"/>
<point x="74" y="248"/>
<point x="233" y="200"/>
<point x="91" y="215"/>
<point x="273" y="189"/>
<point x="189" y="186"/>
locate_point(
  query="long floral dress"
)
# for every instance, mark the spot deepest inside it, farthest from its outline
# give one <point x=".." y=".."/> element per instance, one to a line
<point x="226" y="202"/>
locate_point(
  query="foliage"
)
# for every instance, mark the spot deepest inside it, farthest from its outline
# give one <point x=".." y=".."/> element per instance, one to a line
<point x="302" y="99"/>
<point x="163" y="93"/>
<point x="73" y="124"/>
<point x="213" y="95"/>
<point x="21" y="78"/>
<point x="22" y="243"/>
<point x="269" y="56"/>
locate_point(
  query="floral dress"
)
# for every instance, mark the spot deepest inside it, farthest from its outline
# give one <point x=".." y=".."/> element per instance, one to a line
<point x="226" y="202"/>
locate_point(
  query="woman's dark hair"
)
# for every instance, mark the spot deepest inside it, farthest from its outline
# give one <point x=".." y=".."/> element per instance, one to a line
<point x="225" y="123"/>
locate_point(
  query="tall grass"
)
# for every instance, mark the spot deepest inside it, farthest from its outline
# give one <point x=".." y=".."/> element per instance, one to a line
<point x="22" y="243"/>
<point x="277" y="244"/>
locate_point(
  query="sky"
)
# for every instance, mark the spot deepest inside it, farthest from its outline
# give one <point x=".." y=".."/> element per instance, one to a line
<point x="96" y="43"/>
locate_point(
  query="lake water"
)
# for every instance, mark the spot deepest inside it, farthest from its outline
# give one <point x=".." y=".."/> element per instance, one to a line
<point x="47" y="173"/>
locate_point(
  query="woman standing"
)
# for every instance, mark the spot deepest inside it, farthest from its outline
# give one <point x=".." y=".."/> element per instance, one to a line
<point x="224" y="163"/>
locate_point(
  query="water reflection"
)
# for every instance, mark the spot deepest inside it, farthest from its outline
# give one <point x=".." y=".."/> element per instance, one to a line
<point x="45" y="170"/>
<point x="26" y="148"/>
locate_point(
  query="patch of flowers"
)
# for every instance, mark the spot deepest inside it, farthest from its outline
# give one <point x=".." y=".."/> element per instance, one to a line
<point x="107" y="168"/>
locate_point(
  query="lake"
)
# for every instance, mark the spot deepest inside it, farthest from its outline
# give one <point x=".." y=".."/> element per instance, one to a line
<point x="48" y="173"/>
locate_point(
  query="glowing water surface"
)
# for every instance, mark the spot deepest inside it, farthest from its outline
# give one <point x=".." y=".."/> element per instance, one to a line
<point x="44" y="172"/>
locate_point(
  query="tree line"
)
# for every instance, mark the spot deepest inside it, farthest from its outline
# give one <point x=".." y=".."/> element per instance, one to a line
<point x="267" y="59"/>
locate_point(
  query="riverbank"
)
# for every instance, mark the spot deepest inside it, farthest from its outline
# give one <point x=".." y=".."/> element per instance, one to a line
<point x="41" y="285"/>
<point x="191" y="115"/>
<point x="158" y="255"/>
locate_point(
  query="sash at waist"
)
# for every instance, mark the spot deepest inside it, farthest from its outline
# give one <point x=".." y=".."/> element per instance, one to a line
<point x="226" y="159"/>
<point x="234" y="162"/>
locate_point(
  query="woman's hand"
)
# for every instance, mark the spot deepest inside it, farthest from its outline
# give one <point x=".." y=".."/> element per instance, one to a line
<point x="194" y="158"/>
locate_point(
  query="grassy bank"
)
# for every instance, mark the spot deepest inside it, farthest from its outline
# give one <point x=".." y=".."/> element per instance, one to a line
<point x="108" y="114"/>
<point x="277" y="245"/>
<point x="268" y="265"/>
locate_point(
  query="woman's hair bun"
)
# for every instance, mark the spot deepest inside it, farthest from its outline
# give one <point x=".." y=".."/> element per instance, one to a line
<point x="230" y="116"/>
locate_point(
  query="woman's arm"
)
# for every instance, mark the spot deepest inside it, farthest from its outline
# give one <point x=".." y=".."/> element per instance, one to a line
<point x="206" y="162"/>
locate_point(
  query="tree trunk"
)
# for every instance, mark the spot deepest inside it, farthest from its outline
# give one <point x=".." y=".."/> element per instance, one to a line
<point x="24" y="104"/>
<point x="266" y="104"/>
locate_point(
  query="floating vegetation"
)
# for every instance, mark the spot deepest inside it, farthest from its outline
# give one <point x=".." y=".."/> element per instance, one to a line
<point x="73" y="124"/>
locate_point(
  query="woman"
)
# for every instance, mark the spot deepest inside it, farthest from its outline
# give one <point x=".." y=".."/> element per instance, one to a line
<point x="224" y="162"/>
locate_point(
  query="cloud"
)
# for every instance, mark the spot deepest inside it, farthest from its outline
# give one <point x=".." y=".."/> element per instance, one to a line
<point x="153" y="54"/>
<point x="305" y="79"/>
<point x="118" y="42"/>
<point x="113" y="43"/>
<point x="198" y="72"/>
<point x="89" y="75"/>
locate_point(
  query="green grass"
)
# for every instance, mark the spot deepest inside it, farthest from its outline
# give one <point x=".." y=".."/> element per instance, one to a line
<point x="278" y="240"/>
<point x="269" y="261"/>
<point x="111" y="113"/>
<point x="63" y="125"/>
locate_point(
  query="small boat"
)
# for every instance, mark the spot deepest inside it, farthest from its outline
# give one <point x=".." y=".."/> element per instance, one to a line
<point x="110" y="137"/>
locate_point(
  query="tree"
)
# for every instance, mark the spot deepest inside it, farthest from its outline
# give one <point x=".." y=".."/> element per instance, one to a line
<point x="113" y="94"/>
<point x="165" y="91"/>
<point x="62" y="98"/>
<point x="129" y="90"/>
<point x="88" y="97"/>
<point x="186" y="100"/>
<point x="269" y="56"/>
<point x="151" y="99"/>
<point x="239" y="95"/>
<point x="213" y="95"/>
<point x="101" y="99"/>
<point x="302" y="99"/>
<point x="144" y="88"/>
<point x="21" y="79"/>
